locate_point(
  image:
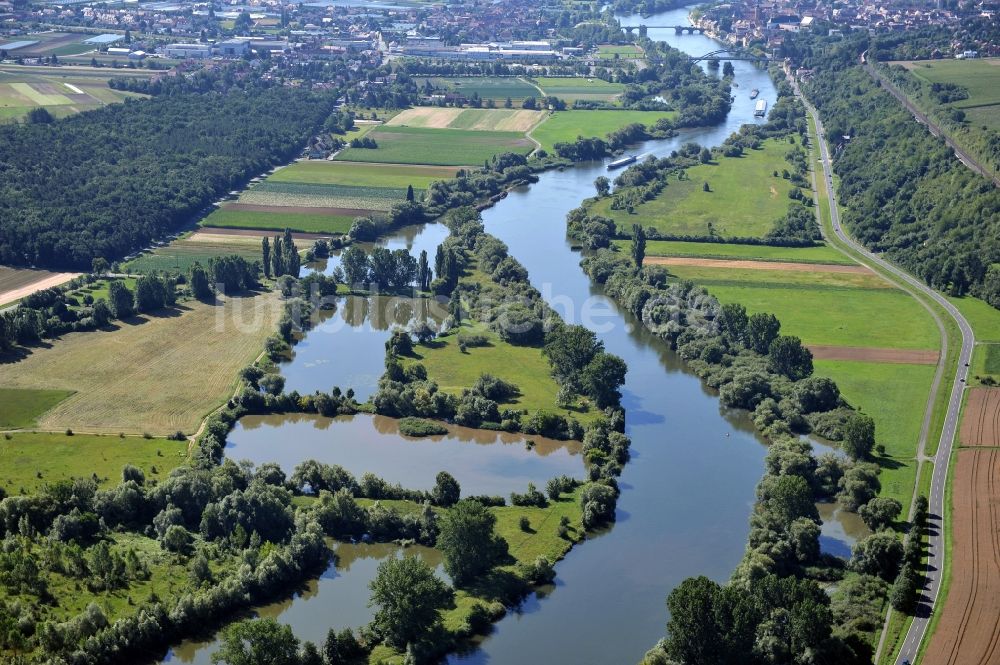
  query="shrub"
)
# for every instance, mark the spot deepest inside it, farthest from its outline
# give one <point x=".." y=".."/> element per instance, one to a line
<point x="411" y="426"/>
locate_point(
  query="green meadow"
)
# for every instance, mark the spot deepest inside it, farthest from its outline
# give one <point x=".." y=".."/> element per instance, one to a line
<point x="820" y="314"/>
<point x="717" y="250"/>
<point x="487" y="87"/>
<point x="22" y="407"/>
<point x="397" y="176"/>
<point x="744" y="201"/>
<point x="895" y="396"/>
<point x="294" y="219"/>
<point x="30" y="460"/>
<point x="567" y="126"/>
<point x="445" y="147"/>
<point x="524" y="366"/>
<point x="183" y="253"/>
<point x="571" y="89"/>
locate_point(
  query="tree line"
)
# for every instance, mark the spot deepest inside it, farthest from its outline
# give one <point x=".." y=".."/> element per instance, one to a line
<point x="107" y="182"/>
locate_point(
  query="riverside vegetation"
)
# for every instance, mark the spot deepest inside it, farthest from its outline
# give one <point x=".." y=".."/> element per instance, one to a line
<point x="754" y="367"/>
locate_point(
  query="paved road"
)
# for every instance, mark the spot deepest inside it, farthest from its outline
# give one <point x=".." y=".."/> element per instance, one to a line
<point x="934" y="128"/>
<point x="936" y="549"/>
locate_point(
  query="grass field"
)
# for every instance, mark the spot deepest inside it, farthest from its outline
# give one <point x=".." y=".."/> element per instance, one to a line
<point x="981" y="77"/>
<point x="488" y="87"/>
<point x="524" y="366"/>
<point x="894" y="395"/>
<point x="818" y="314"/>
<point x="984" y="319"/>
<point x="29" y="460"/>
<point x="295" y="219"/>
<point x="570" y="89"/>
<point x="712" y="276"/>
<point x="716" y="250"/>
<point x="351" y="174"/>
<point x="22" y="408"/>
<point x="62" y="91"/>
<point x="623" y="51"/>
<point x="744" y="202"/>
<point x="159" y="373"/>
<point x="567" y="126"/>
<point x="486" y="120"/>
<point x="445" y="147"/>
<point x="183" y="253"/>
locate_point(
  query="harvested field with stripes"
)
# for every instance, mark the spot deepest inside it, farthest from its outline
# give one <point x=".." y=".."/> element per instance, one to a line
<point x="981" y="420"/>
<point x="487" y="120"/>
<point x="969" y="629"/>
<point x="16" y="283"/>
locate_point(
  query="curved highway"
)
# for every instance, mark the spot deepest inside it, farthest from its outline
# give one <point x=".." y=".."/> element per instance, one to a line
<point x="936" y="547"/>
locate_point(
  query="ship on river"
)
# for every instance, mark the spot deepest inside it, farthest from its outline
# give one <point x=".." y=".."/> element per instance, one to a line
<point x="624" y="161"/>
<point x="760" y="110"/>
<point x="754" y="93"/>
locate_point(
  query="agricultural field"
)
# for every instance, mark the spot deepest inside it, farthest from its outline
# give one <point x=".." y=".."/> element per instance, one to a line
<point x="319" y="196"/>
<point x="443" y="147"/>
<point x="306" y="195"/>
<point x="852" y="316"/>
<point x="524" y="366"/>
<point x="277" y="218"/>
<point x="44" y="44"/>
<point x="981" y="418"/>
<point x="22" y="408"/>
<point x="199" y="247"/>
<point x="567" y="126"/>
<point x="30" y="460"/>
<point x="63" y="91"/>
<point x="498" y="88"/>
<point x="156" y="373"/>
<point x="486" y="120"/>
<point x="717" y="250"/>
<point x="390" y="176"/>
<point x="970" y="621"/>
<point x="570" y="89"/>
<point x="744" y="202"/>
<point x="16" y="283"/>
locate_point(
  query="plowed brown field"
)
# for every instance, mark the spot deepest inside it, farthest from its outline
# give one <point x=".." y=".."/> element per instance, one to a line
<point x="969" y="630"/>
<point x="981" y="421"/>
<point x="748" y="264"/>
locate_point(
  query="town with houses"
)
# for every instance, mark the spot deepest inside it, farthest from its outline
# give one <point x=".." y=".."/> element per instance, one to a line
<point x="134" y="34"/>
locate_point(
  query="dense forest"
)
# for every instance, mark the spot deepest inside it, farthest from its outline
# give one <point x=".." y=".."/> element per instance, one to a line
<point x="104" y="183"/>
<point x="903" y="190"/>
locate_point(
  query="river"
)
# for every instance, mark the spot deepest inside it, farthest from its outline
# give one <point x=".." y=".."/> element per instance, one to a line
<point x="686" y="493"/>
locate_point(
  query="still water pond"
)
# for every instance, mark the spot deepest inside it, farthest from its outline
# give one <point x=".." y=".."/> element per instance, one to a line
<point x="309" y="609"/>
<point x="687" y="493"/>
<point x="483" y="462"/>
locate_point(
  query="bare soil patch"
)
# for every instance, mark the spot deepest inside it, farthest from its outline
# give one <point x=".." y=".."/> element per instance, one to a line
<point x="212" y="233"/>
<point x="874" y="355"/>
<point x="16" y="283"/>
<point x="301" y="210"/>
<point x="981" y="421"/>
<point x="969" y="630"/>
<point x="743" y="264"/>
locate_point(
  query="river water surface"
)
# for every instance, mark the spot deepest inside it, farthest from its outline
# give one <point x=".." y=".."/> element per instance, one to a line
<point x="687" y="492"/>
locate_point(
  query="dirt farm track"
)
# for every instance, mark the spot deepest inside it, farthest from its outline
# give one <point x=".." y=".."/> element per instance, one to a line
<point x="969" y="630"/>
